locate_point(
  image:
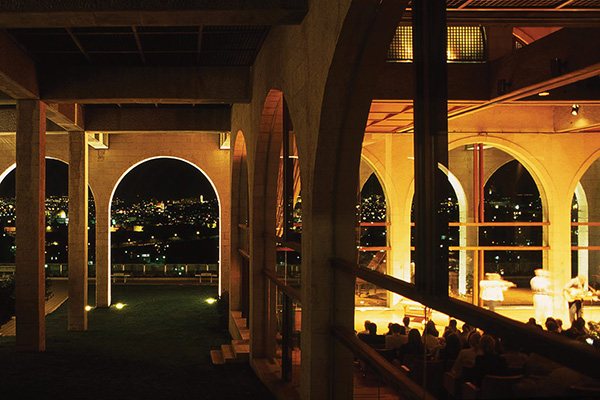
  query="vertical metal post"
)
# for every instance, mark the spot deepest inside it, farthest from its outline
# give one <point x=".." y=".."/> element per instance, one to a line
<point x="431" y="146"/>
<point x="288" y="178"/>
<point x="286" y="339"/>
<point x="476" y="194"/>
<point x="481" y="183"/>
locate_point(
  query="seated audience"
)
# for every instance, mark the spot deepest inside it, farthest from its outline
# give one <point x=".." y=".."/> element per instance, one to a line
<point x="576" y="330"/>
<point x="372" y="338"/>
<point x="559" y="323"/>
<point x="451" y="349"/>
<point x="551" y="325"/>
<point x="451" y="328"/>
<point x="466" y="357"/>
<point x="414" y="346"/>
<point x="366" y="331"/>
<point x="532" y="322"/>
<point x="464" y="335"/>
<point x="397" y="338"/>
<point x="488" y="362"/>
<point x="430" y="336"/>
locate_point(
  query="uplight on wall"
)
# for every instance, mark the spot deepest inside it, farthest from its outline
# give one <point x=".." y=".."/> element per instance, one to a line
<point x="575" y="109"/>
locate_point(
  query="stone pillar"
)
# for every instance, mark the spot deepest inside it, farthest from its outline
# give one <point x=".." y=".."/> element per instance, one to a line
<point x="103" y="285"/>
<point x="431" y="146"/>
<point x="78" y="235"/>
<point x="30" y="224"/>
<point x="558" y="236"/>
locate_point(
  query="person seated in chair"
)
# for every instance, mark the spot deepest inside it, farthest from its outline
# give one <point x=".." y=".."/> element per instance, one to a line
<point x="488" y="363"/>
<point x="396" y="339"/>
<point x="372" y="338"/>
<point x="413" y="347"/>
<point x="466" y="357"/>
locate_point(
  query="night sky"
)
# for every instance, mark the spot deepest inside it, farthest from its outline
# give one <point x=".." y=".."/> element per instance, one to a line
<point x="160" y="179"/>
<point x="164" y="179"/>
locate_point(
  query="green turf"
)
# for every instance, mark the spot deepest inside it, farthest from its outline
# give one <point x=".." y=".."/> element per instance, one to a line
<point x="156" y="347"/>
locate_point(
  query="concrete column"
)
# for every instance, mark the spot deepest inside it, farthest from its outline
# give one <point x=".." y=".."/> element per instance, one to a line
<point x="559" y="255"/>
<point x="103" y="285"/>
<point x="30" y="223"/>
<point x="431" y="146"/>
<point x="78" y="235"/>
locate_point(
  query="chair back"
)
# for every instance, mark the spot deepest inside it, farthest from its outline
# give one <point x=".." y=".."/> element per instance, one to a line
<point x="430" y="371"/>
<point x="498" y="387"/>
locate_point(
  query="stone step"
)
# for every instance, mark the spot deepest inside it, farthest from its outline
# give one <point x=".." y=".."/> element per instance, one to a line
<point x="241" y="349"/>
<point x="228" y="355"/>
<point x="217" y="357"/>
<point x="245" y="334"/>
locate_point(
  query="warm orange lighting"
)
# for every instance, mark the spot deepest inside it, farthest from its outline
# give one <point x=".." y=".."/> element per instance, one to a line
<point x="543" y="94"/>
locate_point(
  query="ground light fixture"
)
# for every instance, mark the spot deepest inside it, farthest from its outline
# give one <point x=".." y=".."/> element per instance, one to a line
<point x="575" y="109"/>
<point x="210" y="300"/>
<point x="119" y="306"/>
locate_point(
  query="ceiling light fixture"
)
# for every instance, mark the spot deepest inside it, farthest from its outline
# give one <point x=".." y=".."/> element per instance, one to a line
<point x="543" y="94"/>
<point x="575" y="109"/>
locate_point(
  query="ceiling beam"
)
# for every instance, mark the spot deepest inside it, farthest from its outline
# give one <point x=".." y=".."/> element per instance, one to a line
<point x="152" y="85"/>
<point x="17" y="71"/>
<point x="68" y="116"/>
<point x="201" y="118"/>
<point x="557" y="60"/>
<point x="466" y="81"/>
<point x="76" y="13"/>
<point x="588" y="117"/>
<point x="520" y="17"/>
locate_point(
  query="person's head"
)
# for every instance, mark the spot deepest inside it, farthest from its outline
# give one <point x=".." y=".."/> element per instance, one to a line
<point x="474" y="338"/>
<point x="531" y="321"/>
<point x="372" y="328"/>
<point x="414" y="336"/>
<point x="551" y="325"/>
<point x="453" y="324"/>
<point x="466" y="328"/>
<point x="487" y="344"/>
<point x="538" y="272"/>
<point x="453" y="342"/>
<point x="579" y="324"/>
<point x="367" y="323"/>
<point x="559" y="323"/>
<point x="406" y="321"/>
<point x="395" y="328"/>
<point x="430" y="327"/>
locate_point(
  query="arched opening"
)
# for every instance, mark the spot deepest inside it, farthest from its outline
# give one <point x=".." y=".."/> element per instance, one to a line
<point x="283" y="205"/>
<point x="165" y="215"/>
<point x="585" y="226"/>
<point x="56" y="229"/>
<point x="240" y="217"/>
<point x="57" y="218"/>
<point x="505" y="225"/>
<point x="373" y="237"/>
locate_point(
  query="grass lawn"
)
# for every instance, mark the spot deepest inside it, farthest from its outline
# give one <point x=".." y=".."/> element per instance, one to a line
<point x="156" y="347"/>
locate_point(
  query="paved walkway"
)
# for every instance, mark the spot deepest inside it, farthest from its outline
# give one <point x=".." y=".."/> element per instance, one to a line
<point x="60" y="293"/>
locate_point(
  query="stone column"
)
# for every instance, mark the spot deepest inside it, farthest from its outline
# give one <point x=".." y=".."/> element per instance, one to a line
<point x="78" y="235"/>
<point x="30" y="223"/>
<point x="103" y="286"/>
